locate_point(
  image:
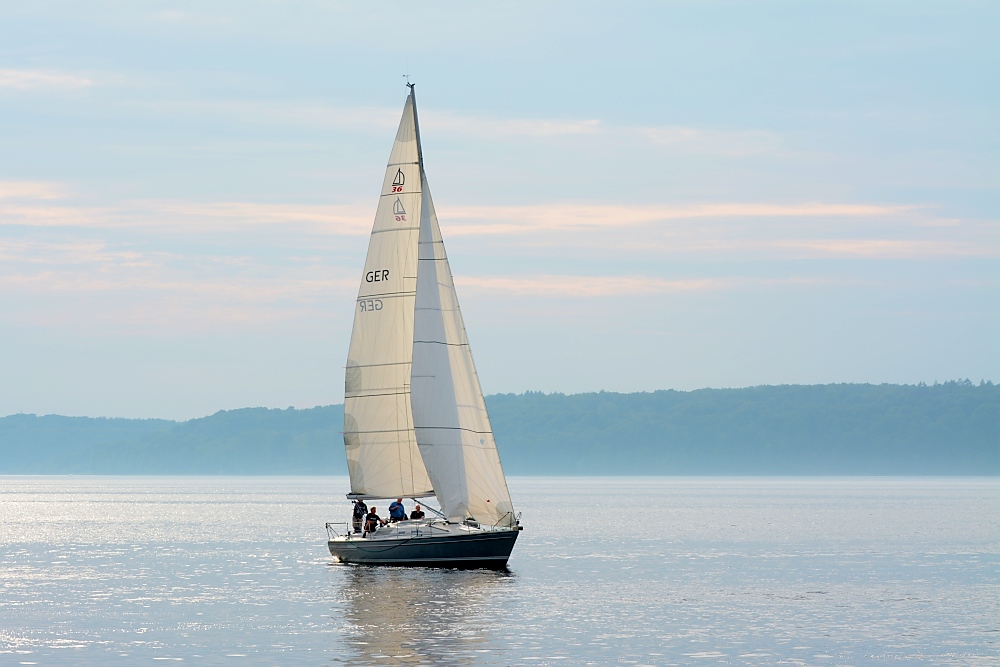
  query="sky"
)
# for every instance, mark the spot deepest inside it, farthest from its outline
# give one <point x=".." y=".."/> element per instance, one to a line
<point x="634" y="196"/>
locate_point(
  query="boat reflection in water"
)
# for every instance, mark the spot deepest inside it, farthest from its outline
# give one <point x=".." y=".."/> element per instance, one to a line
<point x="402" y="616"/>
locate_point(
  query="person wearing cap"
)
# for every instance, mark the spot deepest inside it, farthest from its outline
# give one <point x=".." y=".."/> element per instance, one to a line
<point x="417" y="513"/>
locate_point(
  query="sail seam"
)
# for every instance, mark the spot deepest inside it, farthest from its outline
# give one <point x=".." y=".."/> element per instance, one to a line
<point x="394" y="229"/>
<point x="382" y="294"/>
<point x="391" y="363"/>
<point x="385" y="430"/>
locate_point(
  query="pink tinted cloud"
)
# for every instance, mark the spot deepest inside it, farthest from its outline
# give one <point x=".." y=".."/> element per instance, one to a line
<point x="583" y="286"/>
<point x="548" y="217"/>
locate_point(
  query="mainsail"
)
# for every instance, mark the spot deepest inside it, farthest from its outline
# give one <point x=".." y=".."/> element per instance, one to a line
<point x="382" y="454"/>
<point x="449" y="414"/>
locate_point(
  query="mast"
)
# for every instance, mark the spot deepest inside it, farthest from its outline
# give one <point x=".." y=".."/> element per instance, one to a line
<point x="416" y="124"/>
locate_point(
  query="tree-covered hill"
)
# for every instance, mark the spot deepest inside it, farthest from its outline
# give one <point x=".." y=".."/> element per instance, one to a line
<point x="250" y="441"/>
<point x="843" y="429"/>
<point x="944" y="429"/>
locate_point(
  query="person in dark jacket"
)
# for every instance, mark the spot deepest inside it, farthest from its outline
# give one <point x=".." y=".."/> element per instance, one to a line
<point x="372" y="522"/>
<point x="358" y="517"/>
<point x="417" y="513"/>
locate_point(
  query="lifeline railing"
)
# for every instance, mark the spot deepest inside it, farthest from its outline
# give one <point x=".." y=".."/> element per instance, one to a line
<point x="399" y="528"/>
<point x="331" y="532"/>
<point x="409" y="528"/>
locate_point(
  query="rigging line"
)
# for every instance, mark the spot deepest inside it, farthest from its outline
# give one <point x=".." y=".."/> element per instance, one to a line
<point x="438" y="342"/>
<point x="416" y="130"/>
<point x="455" y="428"/>
<point x="430" y="508"/>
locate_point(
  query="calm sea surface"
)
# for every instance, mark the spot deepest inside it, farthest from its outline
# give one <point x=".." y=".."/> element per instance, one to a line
<point x="629" y="571"/>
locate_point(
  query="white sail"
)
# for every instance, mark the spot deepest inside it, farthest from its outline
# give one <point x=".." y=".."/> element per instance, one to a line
<point x="382" y="454"/>
<point x="449" y="414"/>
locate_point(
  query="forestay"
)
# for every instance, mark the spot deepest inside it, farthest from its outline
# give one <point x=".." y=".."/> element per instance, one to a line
<point x="382" y="454"/>
<point x="449" y="414"/>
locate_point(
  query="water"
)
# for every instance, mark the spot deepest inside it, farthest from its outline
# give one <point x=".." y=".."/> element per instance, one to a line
<point x="630" y="571"/>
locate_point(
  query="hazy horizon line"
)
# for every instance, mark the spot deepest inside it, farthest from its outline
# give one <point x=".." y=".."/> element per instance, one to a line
<point x="960" y="381"/>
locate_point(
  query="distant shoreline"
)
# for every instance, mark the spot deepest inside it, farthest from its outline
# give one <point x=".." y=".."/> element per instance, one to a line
<point x="631" y="478"/>
<point x="852" y="430"/>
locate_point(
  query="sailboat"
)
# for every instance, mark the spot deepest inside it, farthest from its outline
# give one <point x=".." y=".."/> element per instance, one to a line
<point x="415" y="421"/>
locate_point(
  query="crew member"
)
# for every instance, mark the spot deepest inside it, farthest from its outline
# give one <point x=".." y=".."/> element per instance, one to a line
<point x="372" y="522"/>
<point x="396" y="511"/>
<point x="358" y="516"/>
<point x="417" y="513"/>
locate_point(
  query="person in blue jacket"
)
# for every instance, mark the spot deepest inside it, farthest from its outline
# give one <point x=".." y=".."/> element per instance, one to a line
<point x="396" y="511"/>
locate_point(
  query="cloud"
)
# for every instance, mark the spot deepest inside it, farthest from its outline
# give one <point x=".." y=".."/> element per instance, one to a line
<point x="356" y="219"/>
<point x="30" y="190"/>
<point x="97" y="284"/>
<point x="378" y="119"/>
<point x="244" y="289"/>
<point x="24" y="79"/>
<point x="747" y="230"/>
<point x="570" y="216"/>
<point x="578" y="286"/>
<point x="304" y="113"/>
<point x="689" y="140"/>
<point x="584" y="286"/>
<point x="32" y="204"/>
<point x="446" y="122"/>
<point x="758" y="230"/>
<point x="889" y="248"/>
<point x="175" y="16"/>
<point x="344" y="219"/>
<point x="711" y="141"/>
